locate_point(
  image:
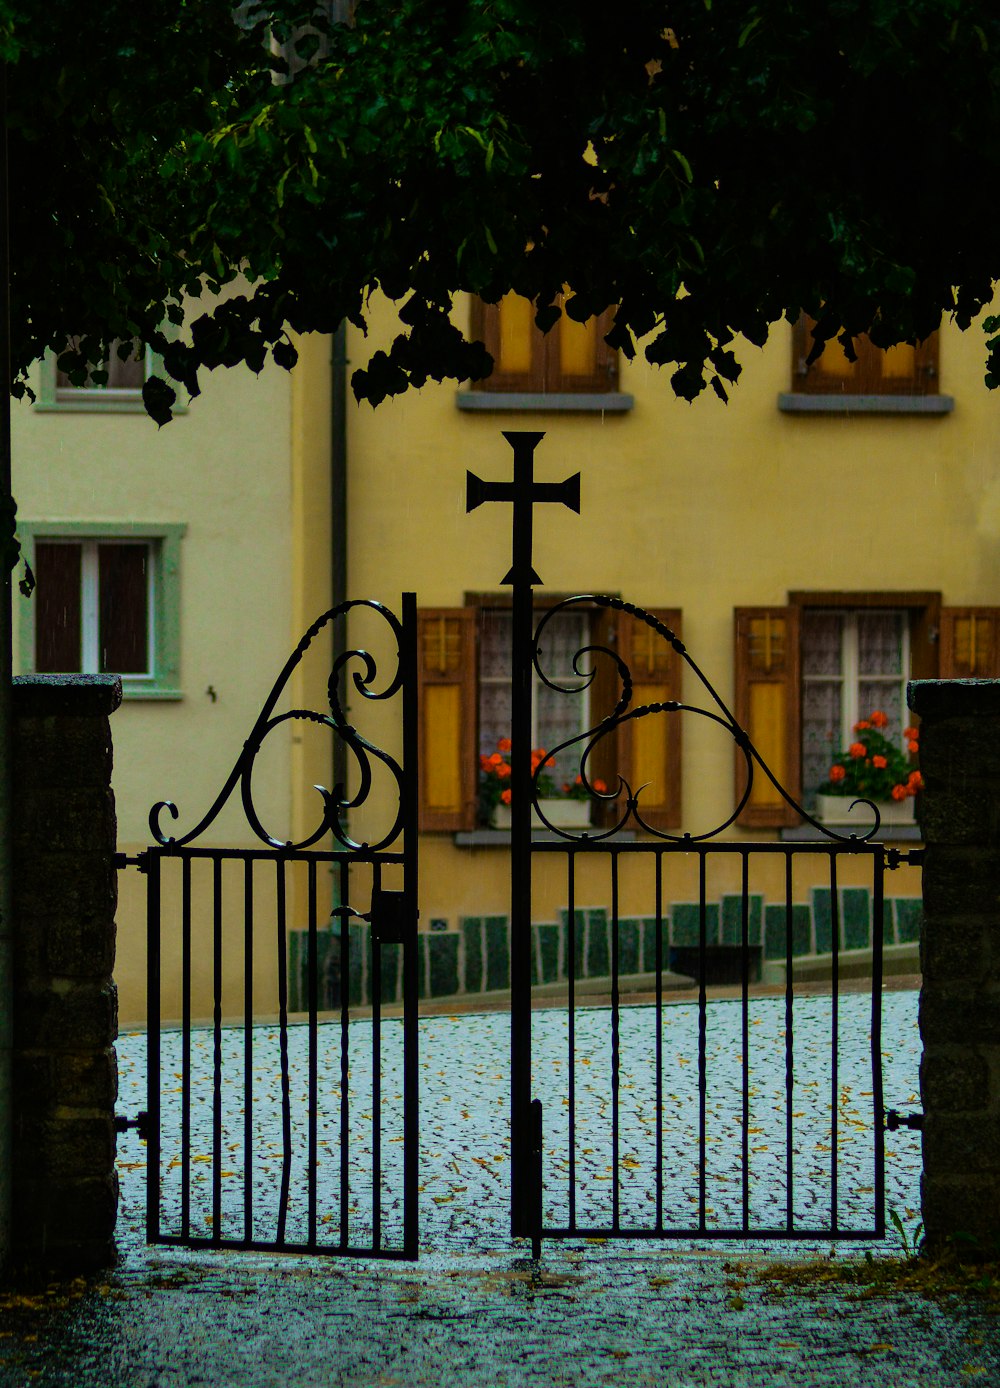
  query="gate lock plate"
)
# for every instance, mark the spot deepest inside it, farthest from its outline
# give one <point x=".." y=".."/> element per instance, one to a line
<point x="390" y="917"/>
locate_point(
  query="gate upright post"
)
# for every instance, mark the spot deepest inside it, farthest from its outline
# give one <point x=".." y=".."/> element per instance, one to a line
<point x="524" y="492"/>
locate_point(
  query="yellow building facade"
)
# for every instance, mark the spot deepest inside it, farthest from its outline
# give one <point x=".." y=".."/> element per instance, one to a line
<point x="867" y="515"/>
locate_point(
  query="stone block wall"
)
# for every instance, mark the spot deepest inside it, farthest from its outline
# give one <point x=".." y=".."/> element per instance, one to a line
<point x="959" y="814"/>
<point x="475" y="959"/>
<point x="65" y="1187"/>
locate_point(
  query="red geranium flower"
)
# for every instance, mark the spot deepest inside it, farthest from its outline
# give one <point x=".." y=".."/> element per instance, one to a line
<point x="911" y="733"/>
<point x="837" y="772"/>
<point x="503" y="745"/>
<point x="879" y="763"/>
<point x="863" y="726"/>
<point x="913" y="745"/>
<point x="899" y="792"/>
<point x="858" y="749"/>
<point x="879" y="719"/>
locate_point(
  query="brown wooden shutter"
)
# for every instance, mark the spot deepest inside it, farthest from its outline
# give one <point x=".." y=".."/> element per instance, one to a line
<point x="573" y="357"/>
<point x="767" y="707"/>
<point x="970" y="643"/>
<point x="446" y="659"/>
<point x="901" y="370"/>
<point x="649" y="749"/>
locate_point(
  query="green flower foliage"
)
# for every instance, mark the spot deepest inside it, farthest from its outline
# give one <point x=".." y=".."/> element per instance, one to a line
<point x="707" y="168"/>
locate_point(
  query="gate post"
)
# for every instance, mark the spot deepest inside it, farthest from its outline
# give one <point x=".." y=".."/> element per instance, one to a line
<point x="65" y="1184"/>
<point x="959" y="816"/>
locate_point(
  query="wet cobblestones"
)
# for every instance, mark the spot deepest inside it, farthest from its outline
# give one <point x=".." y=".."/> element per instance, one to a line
<point x="474" y="1311"/>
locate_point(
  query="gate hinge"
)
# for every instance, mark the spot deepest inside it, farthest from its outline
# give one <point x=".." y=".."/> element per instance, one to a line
<point x="895" y="1120"/>
<point x="140" y="1122"/>
<point x="122" y="860"/>
<point x="895" y="857"/>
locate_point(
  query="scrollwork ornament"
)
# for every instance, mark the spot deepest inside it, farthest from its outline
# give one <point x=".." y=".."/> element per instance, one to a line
<point x="336" y="802"/>
<point x="584" y="745"/>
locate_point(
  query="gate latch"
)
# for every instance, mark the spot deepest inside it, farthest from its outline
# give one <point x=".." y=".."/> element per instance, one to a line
<point x="895" y="1120"/>
<point x="390" y="917"/>
<point x="140" y="1123"/>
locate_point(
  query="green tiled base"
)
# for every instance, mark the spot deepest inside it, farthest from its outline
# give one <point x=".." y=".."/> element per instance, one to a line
<point x="475" y="959"/>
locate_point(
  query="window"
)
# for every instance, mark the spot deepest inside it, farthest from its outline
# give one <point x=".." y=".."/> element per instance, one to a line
<point x="121" y="393"/>
<point x="106" y="601"/>
<point x="555" y="717"/>
<point x="464" y="665"/>
<point x="852" y="663"/>
<point x="900" y="379"/>
<point x="806" y="673"/>
<point x="570" y="367"/>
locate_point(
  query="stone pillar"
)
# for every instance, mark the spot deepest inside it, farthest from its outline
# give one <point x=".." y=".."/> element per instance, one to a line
<point x="65" y="1186"/>
<point x="959" y="817"/>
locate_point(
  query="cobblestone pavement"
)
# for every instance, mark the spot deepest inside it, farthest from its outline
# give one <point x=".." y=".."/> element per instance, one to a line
<point x="474" y="1310"/>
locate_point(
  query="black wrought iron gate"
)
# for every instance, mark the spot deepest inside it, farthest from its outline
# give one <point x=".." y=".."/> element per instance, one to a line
<point x="263" y="1131"/>
<point x="279" y="1133"/>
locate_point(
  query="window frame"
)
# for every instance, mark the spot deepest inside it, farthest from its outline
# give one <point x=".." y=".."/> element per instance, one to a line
<point x="924" y="609"/>
<point x="450" y="731"/>
<point x="50" y="398"/>
<point x="543" y="387"/>
<point x="164" y="539"/>
<point x="866" y="375"/>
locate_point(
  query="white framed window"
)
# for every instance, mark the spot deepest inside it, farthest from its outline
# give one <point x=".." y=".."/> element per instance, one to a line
<point x="854" y="661"/>
<point x="555" y="717"/>
<point x="121" y="393"/>
<point x="106" y="601"/>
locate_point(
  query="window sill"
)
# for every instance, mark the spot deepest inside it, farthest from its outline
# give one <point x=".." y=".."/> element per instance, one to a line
<point x="500" y="838"/>
<point x="149" y="691"/>
<point x="888" y="833"/>
<point x="558" y="402"/>
<point x="119" y="406"/>
<point x="799" y="402"/>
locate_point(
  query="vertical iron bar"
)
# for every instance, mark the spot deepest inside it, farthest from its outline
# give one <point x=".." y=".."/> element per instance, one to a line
<point x="537" y="1205"/>
<point x="216" y="1049"/>
<point x="8" y="788"/>
<point x="789" y="1050"/>
<point x="834" y="1038"/>
<point x="745" y="1007"/>
<point x="345" y="1078"/>
<point x="248" y="1049"/>
<point x="522" y="640"/>
<point x="286" y="1097"/>
<point x="571" y="1028"/>
<point x="186" y="1048"/>
<point x="659" y="1041"/>
<point x="615" y="1049"/>
<point x="702" y="1044"/>
<point x="312" y="1176"/>
<point x="411" y="1035"/>
<point x="153" y="1045"/>
<point x="878" y="907"/>
<point x="376" y="994"/>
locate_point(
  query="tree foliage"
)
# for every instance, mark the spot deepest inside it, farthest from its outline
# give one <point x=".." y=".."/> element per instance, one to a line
<point x="707" y="168"/>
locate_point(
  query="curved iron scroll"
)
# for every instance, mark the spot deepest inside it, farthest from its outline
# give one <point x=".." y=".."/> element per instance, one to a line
<point x="336" y="801"/>
<point x="623" y="712"/>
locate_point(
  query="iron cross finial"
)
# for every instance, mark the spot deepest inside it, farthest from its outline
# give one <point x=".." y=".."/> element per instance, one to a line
<point x="523" y="492"/>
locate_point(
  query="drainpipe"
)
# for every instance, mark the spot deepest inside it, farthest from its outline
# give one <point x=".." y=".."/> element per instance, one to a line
<point x="338" y="530"/>
<point x="6" y="711"/>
